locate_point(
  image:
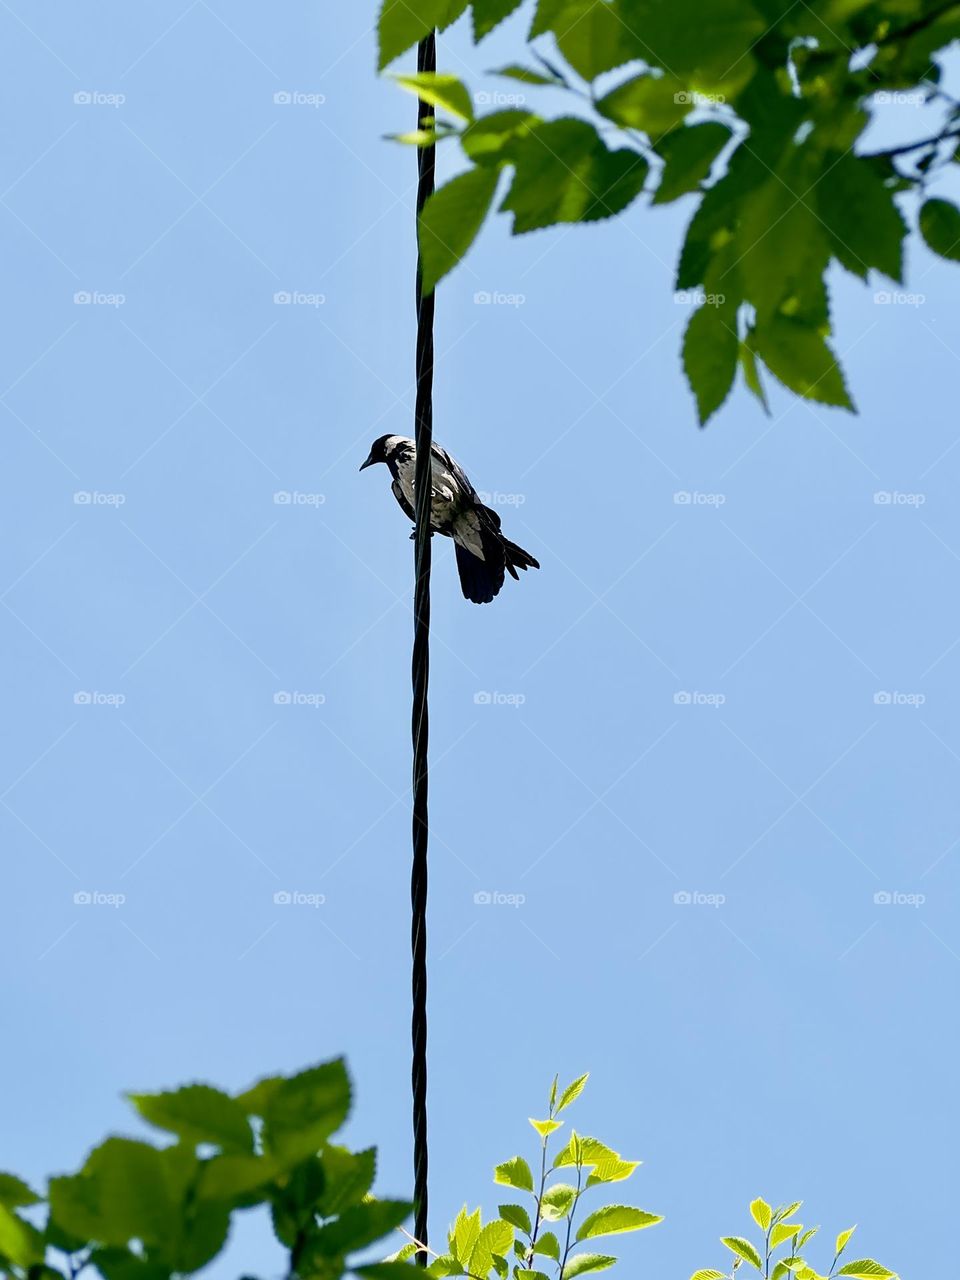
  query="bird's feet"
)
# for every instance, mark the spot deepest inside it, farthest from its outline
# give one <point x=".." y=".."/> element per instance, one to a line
<point x="413" y="535"/>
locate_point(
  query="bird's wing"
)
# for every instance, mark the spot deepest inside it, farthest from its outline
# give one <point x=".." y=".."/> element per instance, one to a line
<point x="455" y="470"/>
<point x="405" y="506"/>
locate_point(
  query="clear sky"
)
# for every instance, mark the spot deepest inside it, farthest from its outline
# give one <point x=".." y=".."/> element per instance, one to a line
<point x="749" y="698"/>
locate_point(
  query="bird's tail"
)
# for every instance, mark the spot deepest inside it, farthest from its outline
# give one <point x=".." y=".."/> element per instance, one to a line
<point x="515" y="558"/>
<point x="481" y="579"/>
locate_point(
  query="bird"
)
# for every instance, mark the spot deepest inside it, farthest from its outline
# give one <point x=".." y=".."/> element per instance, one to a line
<point x="483" y="553"/>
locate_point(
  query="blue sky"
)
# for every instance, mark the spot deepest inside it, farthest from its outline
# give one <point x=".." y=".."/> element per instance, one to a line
<point x="747" y="699"/>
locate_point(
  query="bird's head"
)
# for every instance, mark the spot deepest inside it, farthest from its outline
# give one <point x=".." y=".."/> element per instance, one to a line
<point x="382" y="450"/>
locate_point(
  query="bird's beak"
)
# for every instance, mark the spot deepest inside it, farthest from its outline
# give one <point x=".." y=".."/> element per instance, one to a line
<point x="369" y="463"/>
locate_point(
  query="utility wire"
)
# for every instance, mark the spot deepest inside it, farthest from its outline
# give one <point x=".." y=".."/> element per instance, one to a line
<point x="426" y="161"/>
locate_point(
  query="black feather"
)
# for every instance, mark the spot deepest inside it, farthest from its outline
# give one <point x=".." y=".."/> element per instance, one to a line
<point x="478" y="580"/>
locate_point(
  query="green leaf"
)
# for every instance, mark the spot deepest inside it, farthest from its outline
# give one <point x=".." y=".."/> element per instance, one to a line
<point x="122" y="1264"/>
<point x="348" y="1178"/>
<point x="743" y="1249"/>
<point x="581" y="1263"/>
<point x="843" y="1239"/>
<point x="130" y="1190"/>
<point x="612" y="1170"/>
<point x="711" y="349"/>
<point x="782" y="246"/>
<point x="463" y="1235"/>
<point x="761" y="1213"/>
<point x="402" y="24"/>
<point x="495" y="1238"/>
<point x="546" y="1127"/>
<point x="451" y="219"/>
<point x="788" y="1211"/>
<point x="75" y="1207"/>
<point x="807" y="1235"/>
<point x="357" y="1227"/>
<point x="517" y="1216"/>
<point x="940" y="228"/>
<point x="301" y="1112"/>
<point x="137" y="1198"/>
<point x="14" y="1193"/>
<point x="229" y="1177"/>
<point x="591" y="34"/>
<point x="526" y="75"/>
<point x="557" y="1202"/>
<point x="615" y="1218"/>
<point x="198" y="1113"/>
<point x="529" y="1275"/>
<point x="487" y="140"/>
<point x="864" y="224"/>
<point x="654" y="104"/>
<point x="751" y="376"/>
<point x="688" y="156"/>
<point x="548" y="1245"/>
<point x="783" y="1231"/>
<point x="707" y="45"/>
<point x="802" y="360"/>
<point x="388" y="1270"/>
<point x="553" y="1092"/>
<point x="606" y="1164"/>
<point x="20" y="1242"/>
<point x="780" y="1272"/>
<point x="707" y="1274"/>
<point x="572" y="1092"/>
<point x="202" y="1235"/>
<point x="446" y="1265"/>
<point x="514" y="1173"/>
<point x="866" y="1269"/>
<point x="565" y="173"/>
<point x="439" y="90"/>
<point x="713" y="227"/>
<point x="488" y="14"/>
<point x="422" y="137"/>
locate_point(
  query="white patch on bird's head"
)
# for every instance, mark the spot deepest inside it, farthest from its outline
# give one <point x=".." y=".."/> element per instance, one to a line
<point x="392" y="443"/>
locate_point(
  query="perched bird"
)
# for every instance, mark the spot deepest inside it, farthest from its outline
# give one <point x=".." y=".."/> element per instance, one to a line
<point x="483" y="553"/>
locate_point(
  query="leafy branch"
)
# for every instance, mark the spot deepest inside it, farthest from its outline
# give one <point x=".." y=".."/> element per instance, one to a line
<point x="751" y="110"/>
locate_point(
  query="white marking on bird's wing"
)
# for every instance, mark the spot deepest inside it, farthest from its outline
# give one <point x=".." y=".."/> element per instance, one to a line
<point x="466" y="531"/>
<point x="400" y="496"/>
